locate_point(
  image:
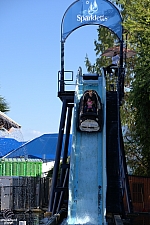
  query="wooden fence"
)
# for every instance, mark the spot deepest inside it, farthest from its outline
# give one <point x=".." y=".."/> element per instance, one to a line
<point x="140" y="193"/>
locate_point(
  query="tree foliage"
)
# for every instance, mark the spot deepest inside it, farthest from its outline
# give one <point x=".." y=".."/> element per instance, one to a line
<point x="135" y="111"/>
<point x="137" y="24"/>
<point x="105" y="40"/>
<point x="3" y="105"/>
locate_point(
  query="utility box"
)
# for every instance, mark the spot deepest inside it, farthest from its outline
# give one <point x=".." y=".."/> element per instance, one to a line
<point x="6" y="189"/>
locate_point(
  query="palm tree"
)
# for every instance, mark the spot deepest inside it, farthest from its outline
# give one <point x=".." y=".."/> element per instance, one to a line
<point x="3" y="105"/>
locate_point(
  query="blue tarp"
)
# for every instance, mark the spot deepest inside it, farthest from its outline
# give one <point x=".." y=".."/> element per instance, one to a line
<point x="8" y="144"/>
<point x="43" y="147"/>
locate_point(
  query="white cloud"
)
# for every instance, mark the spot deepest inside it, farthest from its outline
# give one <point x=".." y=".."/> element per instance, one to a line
<point x="30" y="134"/>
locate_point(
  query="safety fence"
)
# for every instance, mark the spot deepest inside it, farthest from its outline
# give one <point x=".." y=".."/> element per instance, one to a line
<point x="24" y="193"/>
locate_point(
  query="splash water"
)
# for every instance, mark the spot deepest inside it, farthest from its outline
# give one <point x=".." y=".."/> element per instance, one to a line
<point x="13" y="133"/>
<point x="11" y="140"/>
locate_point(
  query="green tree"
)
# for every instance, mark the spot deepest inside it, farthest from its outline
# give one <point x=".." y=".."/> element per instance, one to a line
<point x="135" y="111"/>
<point x="106" y="39"/>
<point x="3" y="105"/>
<point x="137" y="23"/>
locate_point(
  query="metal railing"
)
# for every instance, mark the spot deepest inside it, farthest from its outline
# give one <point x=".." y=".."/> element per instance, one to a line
<point x="24" y="193"/>
<point x="67" y="81"/>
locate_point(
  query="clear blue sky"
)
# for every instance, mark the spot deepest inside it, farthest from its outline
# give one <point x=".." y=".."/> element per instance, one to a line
<point x="30" y="60"/>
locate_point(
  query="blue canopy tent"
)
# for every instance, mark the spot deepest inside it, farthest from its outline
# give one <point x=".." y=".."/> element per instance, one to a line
<point x="8" y="144"/>
<point x="43" y="147"/>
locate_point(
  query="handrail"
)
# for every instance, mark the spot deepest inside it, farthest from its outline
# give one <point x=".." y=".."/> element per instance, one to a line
<point x="65" y="80"/>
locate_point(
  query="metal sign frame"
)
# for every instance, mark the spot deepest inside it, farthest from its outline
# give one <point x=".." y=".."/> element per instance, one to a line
<point x="94" y="12"/>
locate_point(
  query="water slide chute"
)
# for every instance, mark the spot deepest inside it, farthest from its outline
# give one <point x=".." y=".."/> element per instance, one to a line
<point x="87" y="178"/>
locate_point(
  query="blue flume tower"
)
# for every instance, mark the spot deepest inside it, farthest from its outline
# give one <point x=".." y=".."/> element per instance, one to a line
<point x="93" y="181"/>
<point x="87" y="178"/>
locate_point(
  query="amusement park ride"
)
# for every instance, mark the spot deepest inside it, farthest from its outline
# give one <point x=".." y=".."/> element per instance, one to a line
<point x="93" y="182"/>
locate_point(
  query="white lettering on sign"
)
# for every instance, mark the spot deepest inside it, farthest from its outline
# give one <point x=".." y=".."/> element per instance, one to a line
<point x="91" y="18"/>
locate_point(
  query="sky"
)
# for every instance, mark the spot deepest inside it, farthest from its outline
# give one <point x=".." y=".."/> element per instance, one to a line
<point x="30" y="35"/>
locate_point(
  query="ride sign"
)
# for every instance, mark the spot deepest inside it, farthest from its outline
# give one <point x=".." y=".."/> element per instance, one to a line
<point x="98" y="12"/>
